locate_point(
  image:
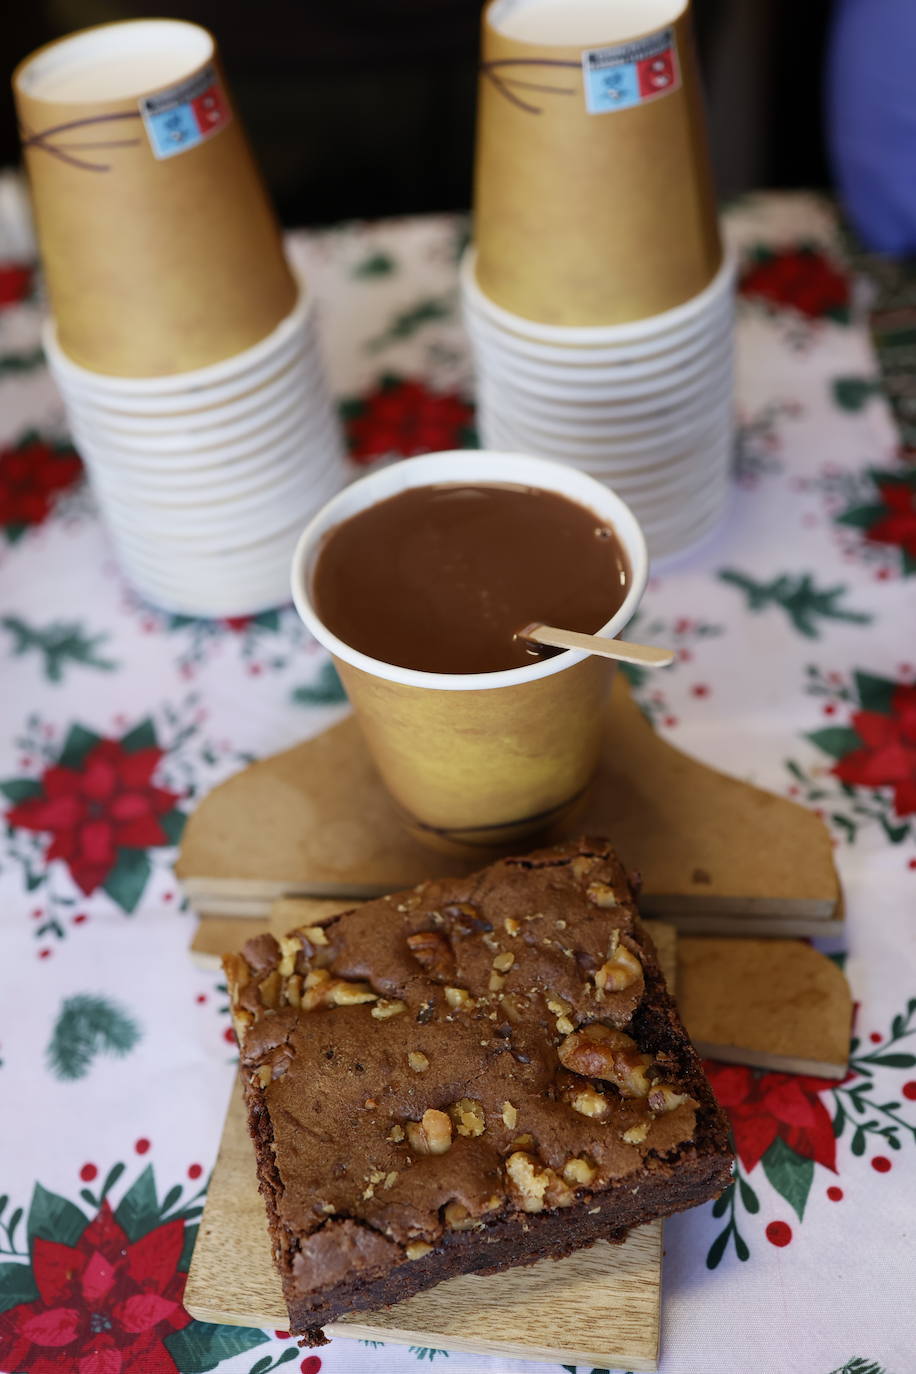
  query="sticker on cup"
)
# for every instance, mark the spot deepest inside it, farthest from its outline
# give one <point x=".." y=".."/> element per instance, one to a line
<point x="628" y="74"/>
<point x="184" y="115"/>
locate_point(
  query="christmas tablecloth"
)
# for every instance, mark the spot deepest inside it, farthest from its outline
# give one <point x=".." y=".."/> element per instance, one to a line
<point x="795" y="630"/>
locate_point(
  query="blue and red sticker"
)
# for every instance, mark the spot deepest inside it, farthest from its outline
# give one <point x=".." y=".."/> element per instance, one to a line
<point x="630" y="73"/>
<point x="184" y="115"/>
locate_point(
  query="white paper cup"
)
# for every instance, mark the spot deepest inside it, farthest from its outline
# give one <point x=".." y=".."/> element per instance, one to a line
<point x="295" y="404"/>
<point x="573" y="386"/>
<point x="668" y="434"/>
<point x="657" y="351"/>
<point x="303" y="345"/>
<point x="183" y="489"/>
<point x="664" y="418"/>
<point x="301" y="376"/>
<point x="636" y="331"/>
<point x="240" y="511"/>
<point x="615" y="377"/>
<point x="547" y="398"/>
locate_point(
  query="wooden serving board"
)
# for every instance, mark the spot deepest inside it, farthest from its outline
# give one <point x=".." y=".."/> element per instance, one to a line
<point x="716" y="854"/>
<point x="600" y="1307"/>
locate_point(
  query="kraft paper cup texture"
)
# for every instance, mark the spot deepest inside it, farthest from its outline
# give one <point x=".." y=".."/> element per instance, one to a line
<point x="582" y="218"/>
<point x="155" y="265"/>
<point x="244" y="372"/>
<point x="477" y="760"/>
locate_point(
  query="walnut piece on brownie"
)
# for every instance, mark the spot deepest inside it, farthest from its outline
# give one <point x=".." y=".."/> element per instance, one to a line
<point x="478" y="1073"/>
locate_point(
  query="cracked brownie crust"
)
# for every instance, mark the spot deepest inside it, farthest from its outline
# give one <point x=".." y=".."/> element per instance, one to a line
<point x="473" y="1074"/>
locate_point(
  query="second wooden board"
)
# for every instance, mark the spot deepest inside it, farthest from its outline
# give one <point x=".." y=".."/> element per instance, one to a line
<point x="716" y="854"/>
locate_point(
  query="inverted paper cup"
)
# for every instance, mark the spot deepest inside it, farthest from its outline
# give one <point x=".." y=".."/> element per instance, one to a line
<point x="481" y="759"/>
<point x="668" y="412"/>
<point x="161" y="251"/>
<point x="572" y="384"/>
<point x="653" y="328"/>
<point x="294" y="399"/>
<point x="250" y="513"/>
<point x="655" y="352"/>
<point x="593" y="198"/>
<point x="646" y="372"/>
<point x="301" y="376"/>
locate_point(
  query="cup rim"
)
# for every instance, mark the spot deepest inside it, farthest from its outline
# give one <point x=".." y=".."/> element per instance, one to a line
<point x="610" y="334"/>
<point x="471" y="465"/>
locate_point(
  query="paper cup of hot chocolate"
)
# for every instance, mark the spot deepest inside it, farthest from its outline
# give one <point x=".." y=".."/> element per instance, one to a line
<point x="593" y="200"/>
<point x="161" y="250"/>
<point x="477" y="760"/>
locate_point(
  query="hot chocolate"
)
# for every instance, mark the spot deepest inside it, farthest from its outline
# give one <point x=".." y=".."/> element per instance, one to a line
<point x="441" y="578"/>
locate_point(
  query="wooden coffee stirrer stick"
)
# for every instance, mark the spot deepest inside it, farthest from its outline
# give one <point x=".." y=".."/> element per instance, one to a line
<point x="646" y="655"/>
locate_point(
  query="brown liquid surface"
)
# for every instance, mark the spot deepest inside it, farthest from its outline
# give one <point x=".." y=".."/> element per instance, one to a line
<point x="441" y="578"/>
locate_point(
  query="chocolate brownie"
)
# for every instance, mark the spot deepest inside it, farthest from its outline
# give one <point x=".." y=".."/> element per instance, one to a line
<point x="474" y="1074"/>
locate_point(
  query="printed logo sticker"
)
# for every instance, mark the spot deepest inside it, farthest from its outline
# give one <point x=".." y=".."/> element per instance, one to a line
<point x="630" y="73"/>
<point x="186" y="114"/>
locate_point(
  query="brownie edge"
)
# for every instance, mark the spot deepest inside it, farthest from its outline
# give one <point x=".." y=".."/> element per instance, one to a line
<point x="475" y="1074"/>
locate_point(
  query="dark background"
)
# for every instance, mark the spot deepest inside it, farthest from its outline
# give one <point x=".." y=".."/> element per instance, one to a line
<point x="366" y="107"/>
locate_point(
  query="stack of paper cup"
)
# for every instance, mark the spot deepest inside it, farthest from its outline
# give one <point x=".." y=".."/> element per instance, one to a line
<point x="183" y="346"/>
<point x="597" y="298"/>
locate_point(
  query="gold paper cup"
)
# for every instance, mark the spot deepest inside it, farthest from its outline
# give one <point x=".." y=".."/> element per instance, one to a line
<point x="478" y="759"/>
<point x="161" y="250"/>
<point x="593" y="202"/>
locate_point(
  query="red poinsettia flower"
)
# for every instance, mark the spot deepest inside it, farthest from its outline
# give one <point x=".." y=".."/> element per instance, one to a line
<point x="15" y="283"/>
<point x="801" y="278"/>
<point x="104" y="1305"/>
<point x="898" y="524"/>
<point x="888" y="754"/>
<point x="108" y="803"/>
<point x="31" y="475"/>
<point x="407" y="418"/>
<point x="767" y="1106"/>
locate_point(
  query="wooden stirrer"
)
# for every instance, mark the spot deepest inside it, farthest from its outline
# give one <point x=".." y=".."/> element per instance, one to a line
<point x="645" y="655"/>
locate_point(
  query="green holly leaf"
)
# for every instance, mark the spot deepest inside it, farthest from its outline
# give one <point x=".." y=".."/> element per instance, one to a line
<point x="201" y="1345"/>
<point x="835" y="740"/>
<point x="54" y="1218"/>
<point x="717" y="1249"/>
<point x="875" y="693"/>
<point x="852" y="393"/>
<point x="127" y="880"/>
<point x="894" y="1061"/>
<point x="20" y="789"/>
<point x="142" y="736"/>
<point x="268" y="620"/>
<point x="187" y="1250"/>
<point x="378" y="264"/>
<point x="173" y="823"/>
<point x="790" y="1174"/>
<point x="326" y="689"/>
<point x="862" y="517"/>
<point x="139" y="1212"/>
<point x="77" y="745"/>
<point x="87" y="1026"/>
<point x="909" y="562"/>
<point x="16" y="1285"/>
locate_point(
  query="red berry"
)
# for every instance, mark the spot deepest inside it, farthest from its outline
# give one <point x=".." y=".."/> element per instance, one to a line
<point x="195" y="1171"/>
<point x="881" y="1164"/>
<point x="778" y="1233"/>
<point x="200" y="998"/>
<point x="88" y="1173"/>
<point x="142" y="1145"/>
<point x="909" y="1090"/>
<point x="835" y="1194"/>
<point x="875" y="1037"/>
<point x="44" y="953"/>
<point x="310" y="1365"/>
<point x="80" y="918"/>
<point x="229" y="1035"/>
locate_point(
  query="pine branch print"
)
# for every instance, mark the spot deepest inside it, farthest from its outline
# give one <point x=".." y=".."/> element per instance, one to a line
<point x="798" y="595"/>
<point x="60" y="644"/>
<point x="87" y="1026"/>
